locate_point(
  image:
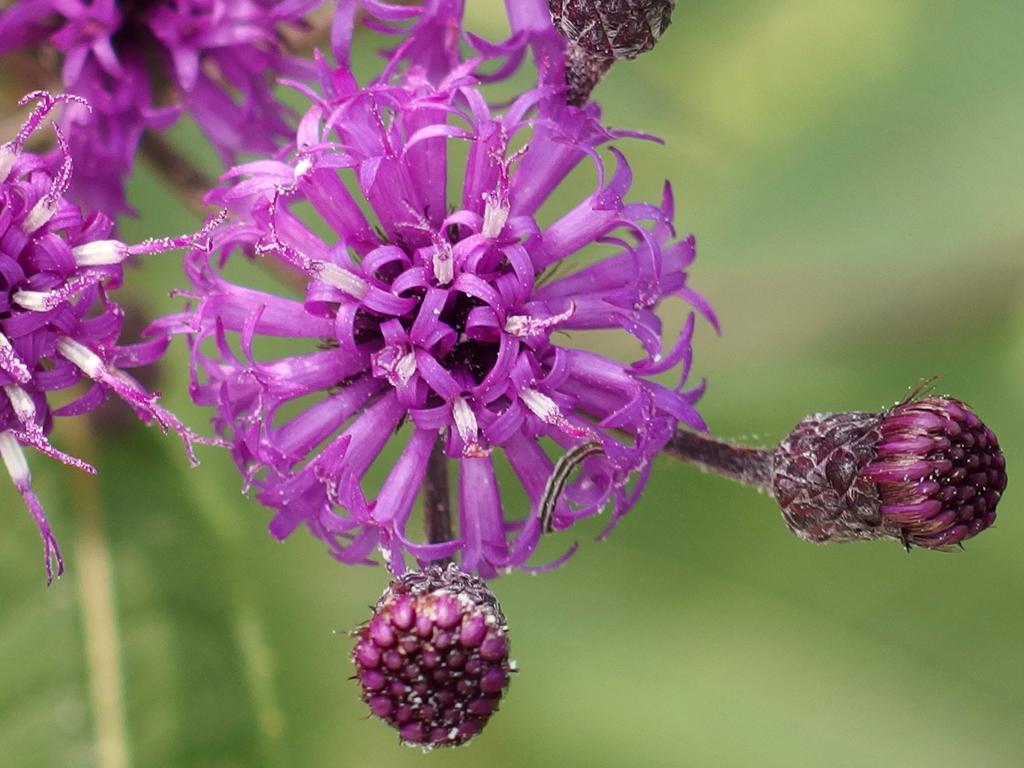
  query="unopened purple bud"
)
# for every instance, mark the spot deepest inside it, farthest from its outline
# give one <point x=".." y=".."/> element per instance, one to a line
<point x="403" y="615"/>
<point x="367" y="654"/>
<point x="381" y="706"/>
<point x="381" y="632"/>
<point x="494" y="648"/>
<point x="926" y="473"/>
<point x="447" y="613"/>
<point x="434" y="687"/>
<point x="493" y="680"/>
<point x="473" y="631"/>
<point x="599" y="32"/>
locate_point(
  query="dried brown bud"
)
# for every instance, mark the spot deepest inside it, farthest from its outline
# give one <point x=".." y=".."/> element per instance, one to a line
<point x="612" y="29"/>
<point x="602" y="31"/>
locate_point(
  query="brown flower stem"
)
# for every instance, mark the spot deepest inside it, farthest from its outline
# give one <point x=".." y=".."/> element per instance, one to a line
<point x="743" y="464"/>
<point x="437" y="515"/>
<point x="583" y="71"/>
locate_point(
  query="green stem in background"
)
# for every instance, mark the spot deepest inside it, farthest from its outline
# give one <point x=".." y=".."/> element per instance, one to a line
<point x="185" y="180"/>
<point x="743" y="464"/>
<point x="99" y="614"/>
<point x="189" y="184"/>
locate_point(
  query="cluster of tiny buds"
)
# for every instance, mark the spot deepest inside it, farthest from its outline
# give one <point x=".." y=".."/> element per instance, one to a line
<point x="433" y="659"/>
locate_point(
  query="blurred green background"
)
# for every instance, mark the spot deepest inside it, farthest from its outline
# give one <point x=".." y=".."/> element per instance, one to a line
<point x="854" y="171"/>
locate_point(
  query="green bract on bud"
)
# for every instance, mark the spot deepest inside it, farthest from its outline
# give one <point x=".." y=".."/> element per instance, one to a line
<point x="600" y="32"/>
<point x="433" y="659"/>
<point x="926" y="473"/>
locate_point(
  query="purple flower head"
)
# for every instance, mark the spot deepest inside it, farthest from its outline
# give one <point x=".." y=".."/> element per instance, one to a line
<point x="58" y="326"/>
<point x="139" y="62"/>
<point x="440" y="308"/>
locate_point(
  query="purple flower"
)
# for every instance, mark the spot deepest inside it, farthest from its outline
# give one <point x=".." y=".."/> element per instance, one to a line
<point x="58" y="326"/>
<point x="440" y="308"/>
<point x="211" y="57"/>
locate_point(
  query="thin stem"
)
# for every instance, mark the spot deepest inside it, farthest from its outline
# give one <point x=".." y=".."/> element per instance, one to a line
<point x="750" y="466"/>
<point x="99" y="612"/>
<point x="583" y="71"/>
<point x="436" y="499"/>
<point x="187" y="182"/>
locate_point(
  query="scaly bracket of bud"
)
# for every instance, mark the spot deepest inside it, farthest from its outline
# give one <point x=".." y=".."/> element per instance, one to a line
<point x="601" y="32"/>
<point x="926" y="472"/>
<point x="433" y="660"/>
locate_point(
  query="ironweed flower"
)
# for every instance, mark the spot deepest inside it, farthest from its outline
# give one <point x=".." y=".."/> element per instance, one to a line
<point x="429" y="316"/>
<point x="140" y="62"/>
<point x="433" y="659"/>
<point x="926" y="473"/>
<point x="58" y="327"/>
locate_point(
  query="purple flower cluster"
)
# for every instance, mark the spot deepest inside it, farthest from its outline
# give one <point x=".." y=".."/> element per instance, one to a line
<point x="433" y="659"/>
<point x="443" y="307"/>
<point x="58" y="326"/>
<point x="139" y="62"/>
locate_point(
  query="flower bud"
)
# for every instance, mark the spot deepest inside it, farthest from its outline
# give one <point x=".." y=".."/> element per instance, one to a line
<point x="602" y="31"/>
<point x="433" y="659"/>
<point x="612" y="29"/>
<point x="926" y="472"/>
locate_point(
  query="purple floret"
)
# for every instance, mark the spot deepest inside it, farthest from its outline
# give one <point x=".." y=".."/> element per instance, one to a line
<point x="59" y="328"/>
<point x="440" y="308"/>
<point x="139" y="63"/>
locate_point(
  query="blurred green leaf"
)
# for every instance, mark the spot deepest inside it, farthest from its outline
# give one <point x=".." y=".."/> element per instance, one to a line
<point x="144" y="628"/>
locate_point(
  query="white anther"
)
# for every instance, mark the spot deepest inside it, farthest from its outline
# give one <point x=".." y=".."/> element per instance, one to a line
<point x="465" y="420"/>
<point x="302" y="168"/>
<point x="8" y="157"/>
<point x="341" y="278"/>
<point x="395" y="363"/>
<point x="36" y="301"/>
<point x="11" y="363"/>
<point x="495" y="216"/>
<point x="22" y="404"/>
<point x="41" y="213"/>
<point x="82" y="357"/>
<point x="527" y="325"/>
<point x="14" y="458"/>
<point x="99" y="253"/>
<point x="405" y="368"/>
<point x="519" y="325"/>
<point x="542" y="406"/>
<point x="444" y="263"/>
